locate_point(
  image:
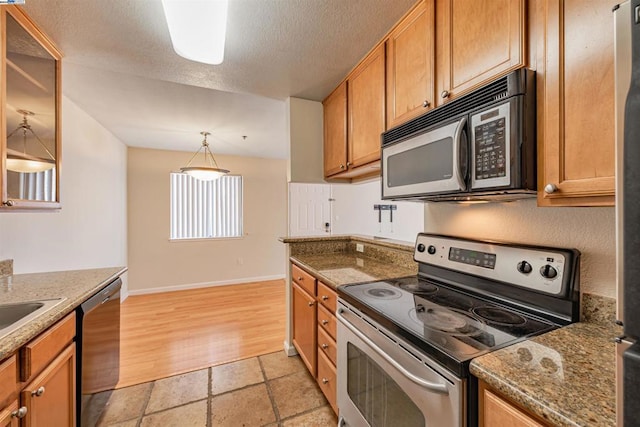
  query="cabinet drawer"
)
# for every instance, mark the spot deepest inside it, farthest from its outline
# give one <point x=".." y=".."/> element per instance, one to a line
<point x="39" y="352"/>
<point x="303" y="279"/>
<point x="327" y="297"/>
<point x="327" y="379"/>
<point x="327" y="345"/>
<point x="328" y="322"/>
<point x="8" y="378"/>
<point x="7" y="418"/>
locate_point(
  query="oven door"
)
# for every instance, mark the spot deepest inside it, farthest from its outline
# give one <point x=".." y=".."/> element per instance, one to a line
<point x="384" y="383"/>
<point x="433" y="162"/>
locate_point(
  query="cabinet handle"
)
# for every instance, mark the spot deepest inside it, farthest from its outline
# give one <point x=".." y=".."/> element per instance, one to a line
<point x="348" y="164"/>
<point x="8" y="203"/>
<point x="20" y="413"/>
<point x="310" y="303"/>
<point x="300" y="278"/>
<point x="445" y="94"/>
<point x="426" y="103"/>
<point x="325" y="322"/>
<point x="341" y="166"/>
<point x="324" y="297"/>
<point x="39" y="392"/>
<point x="325" y="346"/>
<point x="550" y="188"/>
<point x="325" y="380"/>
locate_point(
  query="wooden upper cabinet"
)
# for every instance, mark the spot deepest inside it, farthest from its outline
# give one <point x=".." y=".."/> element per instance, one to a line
<point x="476" y="41"/>
<point x="335" y="131"/>
<point x="575" y="65"/>
<point x="410" y="65"/>
<point x="366" y="109"/>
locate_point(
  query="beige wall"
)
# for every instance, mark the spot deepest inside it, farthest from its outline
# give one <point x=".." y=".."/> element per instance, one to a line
<point x="304" y="122"/>
<point x="590" y="230"/>
<point x="156" y="264"/>
<point x="90" y="230"/>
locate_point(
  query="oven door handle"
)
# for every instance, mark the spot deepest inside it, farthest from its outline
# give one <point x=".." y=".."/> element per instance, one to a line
<point x="431" y="386"/>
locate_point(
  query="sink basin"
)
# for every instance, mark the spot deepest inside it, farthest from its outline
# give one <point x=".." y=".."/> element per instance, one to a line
<point x="13" y="316"/>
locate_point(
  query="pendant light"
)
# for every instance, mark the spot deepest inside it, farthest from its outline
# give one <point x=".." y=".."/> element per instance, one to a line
<point x="23" y="162"/>
<point x="210" y="171"/>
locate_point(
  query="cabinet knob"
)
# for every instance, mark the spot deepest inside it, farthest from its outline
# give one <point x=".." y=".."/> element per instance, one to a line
<point x="325" y="322"/>
<point x="20" y="413"/>
<point x="324" y="346"/>
<point x="325" y="380"/>
<point x="310" y="303"/>
<point x="324" y="297"/>
<point x="8" y="203"/>
<point x="341" y="166"/>
<point x="39" y="392"/>
<point x="426" y="103"/>
<point x="550" y="188"/>
<point x="444" y="94"/>
<point x="300" y="278"/>
<point x="348" y="164"/>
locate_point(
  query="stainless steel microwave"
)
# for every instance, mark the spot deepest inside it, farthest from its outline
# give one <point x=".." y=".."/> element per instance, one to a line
<point x="481" y="146"/>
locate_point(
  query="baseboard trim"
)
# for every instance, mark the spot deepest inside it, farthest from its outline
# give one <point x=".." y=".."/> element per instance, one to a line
<point x="289" y="349"/>
<point x="187" y="286"/>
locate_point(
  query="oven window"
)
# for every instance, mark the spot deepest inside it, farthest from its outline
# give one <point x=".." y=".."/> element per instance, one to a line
<point x="378" y="398"/>
<point x="426" y="163"/>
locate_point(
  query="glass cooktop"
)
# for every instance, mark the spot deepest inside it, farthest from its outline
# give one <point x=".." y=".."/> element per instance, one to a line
<point x="441" y="319"/>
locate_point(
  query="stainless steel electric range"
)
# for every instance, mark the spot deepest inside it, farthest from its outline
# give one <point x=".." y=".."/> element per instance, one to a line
<point x="405" y="345"/>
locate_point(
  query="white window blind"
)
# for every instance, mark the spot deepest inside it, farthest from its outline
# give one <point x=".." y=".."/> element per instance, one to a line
<point x="33" y="185"/>
<point x="205" y="209"/>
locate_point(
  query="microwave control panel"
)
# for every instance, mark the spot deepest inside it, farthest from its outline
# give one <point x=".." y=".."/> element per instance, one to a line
<point x="490" y="155"/>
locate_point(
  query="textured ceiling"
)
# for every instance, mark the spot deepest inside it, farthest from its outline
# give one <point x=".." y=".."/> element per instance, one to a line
<point x="274" y="49"/>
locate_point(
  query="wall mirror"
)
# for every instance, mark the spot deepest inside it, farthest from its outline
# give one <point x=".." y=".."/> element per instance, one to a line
<point x="32" y="146"/>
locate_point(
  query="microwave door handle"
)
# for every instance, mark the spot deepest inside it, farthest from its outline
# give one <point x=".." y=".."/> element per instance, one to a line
<point x="431" y="386"/>
<point x="457" y="137"/>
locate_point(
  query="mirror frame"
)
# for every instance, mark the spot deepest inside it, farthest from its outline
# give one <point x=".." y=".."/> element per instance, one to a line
<point x="32" y="29"/>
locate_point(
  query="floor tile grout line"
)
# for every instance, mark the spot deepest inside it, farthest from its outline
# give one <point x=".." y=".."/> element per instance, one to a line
<point x="269" y="392"/>
<point x="210" y="397"/>
<point x="146" y="403"/>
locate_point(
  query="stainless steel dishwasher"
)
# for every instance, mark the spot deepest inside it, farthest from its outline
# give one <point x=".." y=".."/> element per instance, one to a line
<point x="98" y="349"/>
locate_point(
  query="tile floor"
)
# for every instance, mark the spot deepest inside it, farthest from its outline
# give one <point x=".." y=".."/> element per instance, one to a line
<point x="269" y="390"/>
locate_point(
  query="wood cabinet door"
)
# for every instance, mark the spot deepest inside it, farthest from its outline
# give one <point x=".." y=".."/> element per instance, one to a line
<point x="304" y="327"/>
<point x="8" y="415"/>
<point x="335" y="131"/>
<point x="50" y="397"/>
<point x="498" y="412"/>
<point x="410" y="65"/>
<point x="366" y="109"/>
<point x="476" y="42"/>
<point x="575" y="84"/>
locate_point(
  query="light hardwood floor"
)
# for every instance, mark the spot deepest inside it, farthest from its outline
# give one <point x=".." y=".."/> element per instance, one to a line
<point x="176" y="332"/>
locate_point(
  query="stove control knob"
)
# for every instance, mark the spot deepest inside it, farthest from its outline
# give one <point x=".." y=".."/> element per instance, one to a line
<point x="524" y="267"/>
<point x="420" y="247"/>
<point x="548" y="272"/>
<point x="431" y="249"/>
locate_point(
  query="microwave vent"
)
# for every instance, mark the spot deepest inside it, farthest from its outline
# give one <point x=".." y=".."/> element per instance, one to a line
<point x="492" y="92"/>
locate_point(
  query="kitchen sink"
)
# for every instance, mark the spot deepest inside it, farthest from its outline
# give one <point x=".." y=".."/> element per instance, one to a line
<point x="15" y="315"/>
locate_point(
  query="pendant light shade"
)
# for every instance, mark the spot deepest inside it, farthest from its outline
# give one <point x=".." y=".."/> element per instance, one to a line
<point x="210" y="171"/>
<point x="21" y="161"/>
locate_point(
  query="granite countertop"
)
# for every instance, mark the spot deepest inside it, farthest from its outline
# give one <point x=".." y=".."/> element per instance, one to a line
<point x="379" y="241"/>
<point x="75" y="286"/>
<point x="335" y="269"/>
<point x="566" y="376"/>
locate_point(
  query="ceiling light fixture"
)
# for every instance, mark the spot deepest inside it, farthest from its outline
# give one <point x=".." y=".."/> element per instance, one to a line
<point x="197" y="28"/>
<point x="210" y="171"/>
<point x="23" y="162"/>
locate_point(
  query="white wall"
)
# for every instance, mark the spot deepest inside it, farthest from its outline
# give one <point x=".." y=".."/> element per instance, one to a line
<point x="590" y="230"/>
<point x="90" y="230"/>
<point x="353" y="213"/>
<point x="304" y="124"/>
<point x="157" y="264"/>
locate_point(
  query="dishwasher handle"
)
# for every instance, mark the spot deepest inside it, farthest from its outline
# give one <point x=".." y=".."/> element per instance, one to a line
<point x="105" y="294"/>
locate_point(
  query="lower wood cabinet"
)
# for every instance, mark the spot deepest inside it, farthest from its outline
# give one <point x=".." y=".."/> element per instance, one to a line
<point x="37" y="384"/>
<point x="314" y="329"/>
<point x="498" y="411"/>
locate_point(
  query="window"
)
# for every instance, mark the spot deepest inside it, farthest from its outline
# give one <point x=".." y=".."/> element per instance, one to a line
<point x="205" y="209"/>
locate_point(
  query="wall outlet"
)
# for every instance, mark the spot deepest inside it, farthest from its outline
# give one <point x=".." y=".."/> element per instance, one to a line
<point x="359" y="247"/>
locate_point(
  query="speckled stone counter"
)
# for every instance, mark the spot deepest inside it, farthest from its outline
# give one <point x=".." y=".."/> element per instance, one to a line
<point x="76" y="286"/>
<point x="566" y="376"/>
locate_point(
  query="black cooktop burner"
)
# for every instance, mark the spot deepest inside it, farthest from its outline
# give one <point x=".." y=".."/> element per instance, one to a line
<point x="449" y="320"/>
<point x="419" y="288"/>
<point x="383" y="293"/>
<point x="499" y="316"/>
